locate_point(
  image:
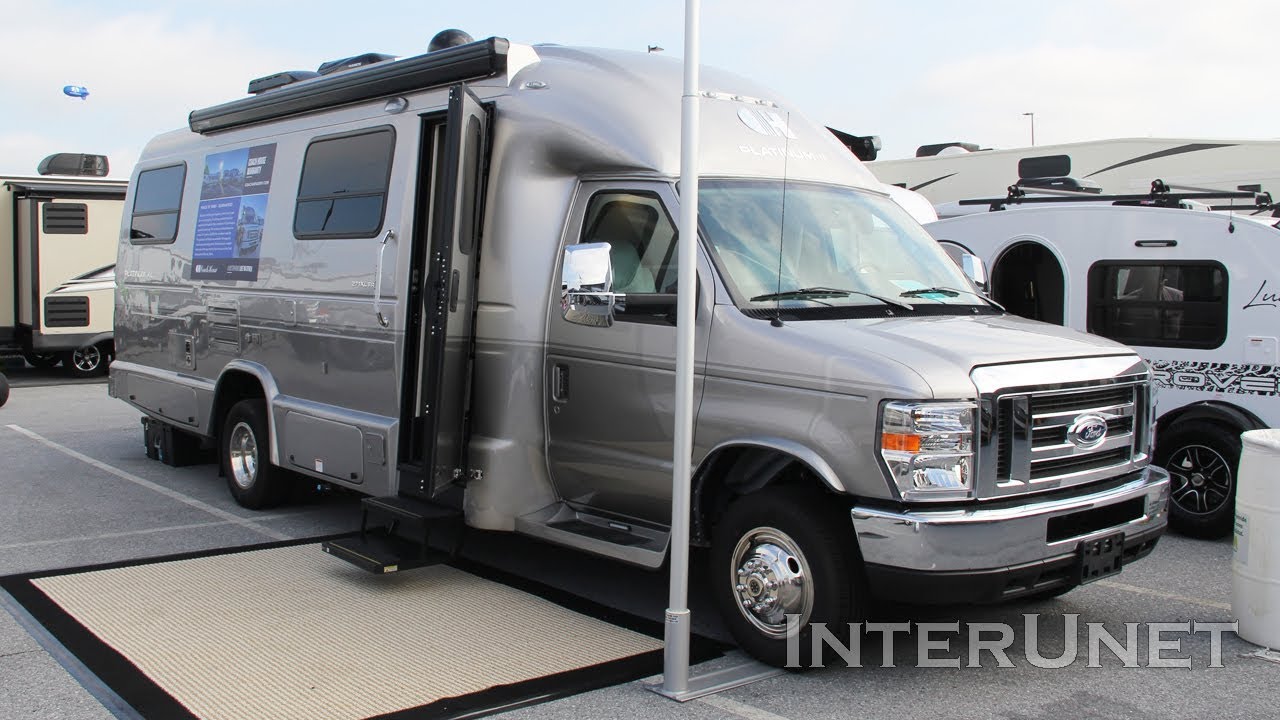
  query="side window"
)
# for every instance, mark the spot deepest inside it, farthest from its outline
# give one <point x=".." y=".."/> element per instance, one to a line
<point x="157" y="201"/>
<point x="343" y="191"/>
<point x="641" y="237"/>
<point x="1170" y="304"/>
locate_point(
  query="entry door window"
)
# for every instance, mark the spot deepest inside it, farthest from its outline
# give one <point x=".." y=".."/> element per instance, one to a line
<point x="641" y="237"/>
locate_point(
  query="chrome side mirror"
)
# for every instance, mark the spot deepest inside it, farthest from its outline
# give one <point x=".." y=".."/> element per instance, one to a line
<point x="971" y="265"/>
<point x="976" y="270"/>
<point x="586" y="292"/>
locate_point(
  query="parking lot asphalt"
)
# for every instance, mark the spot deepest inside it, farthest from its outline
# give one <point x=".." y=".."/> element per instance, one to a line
<point x="76" y="489"/>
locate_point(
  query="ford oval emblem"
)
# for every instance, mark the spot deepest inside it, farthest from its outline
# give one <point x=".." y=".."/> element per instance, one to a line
<point x="1087" y="430"/>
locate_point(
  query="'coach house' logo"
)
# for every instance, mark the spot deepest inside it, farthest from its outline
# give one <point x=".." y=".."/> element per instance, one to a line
<point x="1087" y="430"/>
<point x="765" y="122"/>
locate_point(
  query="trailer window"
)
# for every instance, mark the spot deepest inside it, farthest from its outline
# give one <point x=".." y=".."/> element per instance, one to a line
<point x="343" y="191"/>
<point x="1169" y="304"/>
<point x="157" y="202"/>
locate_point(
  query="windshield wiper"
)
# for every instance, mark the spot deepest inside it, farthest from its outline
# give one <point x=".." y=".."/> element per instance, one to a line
<point x="951" y="292"/>
<point x="821" y="292"/>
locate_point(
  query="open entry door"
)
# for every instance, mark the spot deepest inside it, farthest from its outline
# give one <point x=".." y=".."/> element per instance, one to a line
<point x="443" y="297"/>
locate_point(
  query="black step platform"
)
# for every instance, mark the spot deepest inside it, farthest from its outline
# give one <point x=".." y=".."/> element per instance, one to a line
<point x="396" y="533"/>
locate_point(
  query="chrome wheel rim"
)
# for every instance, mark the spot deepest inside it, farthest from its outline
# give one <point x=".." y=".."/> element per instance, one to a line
<point x="87" y="359"/>
<point x="771" y="579"/>
<point x="1202" y="479"/>
<point x="243" y="455"/>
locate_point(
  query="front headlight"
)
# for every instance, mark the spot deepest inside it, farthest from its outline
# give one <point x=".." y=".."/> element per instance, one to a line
<point x="928" y="448"/>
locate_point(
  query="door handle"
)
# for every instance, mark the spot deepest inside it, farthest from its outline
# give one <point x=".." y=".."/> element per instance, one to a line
<point x="560" y="383"/>
<point x="377" y="282"/>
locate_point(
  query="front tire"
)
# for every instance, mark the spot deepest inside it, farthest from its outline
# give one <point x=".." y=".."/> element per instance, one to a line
<point x="783" y="551"/>
<point x="245" y="454"/>
<point x="1202" y="458"/>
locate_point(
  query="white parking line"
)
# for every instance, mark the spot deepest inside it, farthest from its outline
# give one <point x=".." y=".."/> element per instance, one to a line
<point x="167" y="492"/>
<point x="130" y="533"/>
<point x="1167" y="596"/>
<point x="743" y="710"/>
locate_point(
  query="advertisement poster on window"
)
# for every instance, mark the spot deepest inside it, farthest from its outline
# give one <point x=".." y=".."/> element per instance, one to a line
<point x="233" y="212"/>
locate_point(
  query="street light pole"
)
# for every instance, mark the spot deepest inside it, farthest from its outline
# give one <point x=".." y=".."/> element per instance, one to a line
<point x="1033" y="126"/>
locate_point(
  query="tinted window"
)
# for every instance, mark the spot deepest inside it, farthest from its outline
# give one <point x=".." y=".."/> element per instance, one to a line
<point x="344" y="185"/>
<point x="1171" y="304"/>
<point x="157" y="200"/>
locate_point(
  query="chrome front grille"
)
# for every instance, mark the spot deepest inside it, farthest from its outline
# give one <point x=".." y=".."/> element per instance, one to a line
<point x="1049" y="436"/>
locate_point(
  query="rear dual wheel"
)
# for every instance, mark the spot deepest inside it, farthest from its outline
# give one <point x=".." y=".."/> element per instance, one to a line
<point x="246" y="457"/>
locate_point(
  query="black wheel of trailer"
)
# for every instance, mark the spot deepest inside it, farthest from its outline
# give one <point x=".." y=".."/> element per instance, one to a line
<point x="779" y="552"/>
<point x="88" y="361"/>
<point x="1201" y="458"/>
<point x="4" y="390"/>
<point x="246" y="458"/>
<point x="43" y="361"/>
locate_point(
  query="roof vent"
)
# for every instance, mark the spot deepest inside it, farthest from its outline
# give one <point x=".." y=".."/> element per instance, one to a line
<point x="280" y="79"/>
<point x="351" y="63"/>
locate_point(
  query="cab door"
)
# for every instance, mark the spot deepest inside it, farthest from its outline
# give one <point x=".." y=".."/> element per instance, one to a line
<point x="610" y="390"/>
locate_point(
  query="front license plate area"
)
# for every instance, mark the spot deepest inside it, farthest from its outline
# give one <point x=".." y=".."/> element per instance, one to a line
<point x="1100" y="558"/>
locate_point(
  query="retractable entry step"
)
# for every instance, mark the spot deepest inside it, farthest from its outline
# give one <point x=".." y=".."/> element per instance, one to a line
<point x="397" y="533"/>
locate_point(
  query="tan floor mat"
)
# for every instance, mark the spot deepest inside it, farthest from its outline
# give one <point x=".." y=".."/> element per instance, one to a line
<point x="290" y="632"/>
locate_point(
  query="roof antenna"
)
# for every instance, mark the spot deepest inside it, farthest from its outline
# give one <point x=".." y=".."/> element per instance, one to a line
<point x="782" y="224"/>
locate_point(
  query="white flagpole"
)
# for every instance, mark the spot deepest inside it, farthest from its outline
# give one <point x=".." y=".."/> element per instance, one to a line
<point x="675" y="672"/>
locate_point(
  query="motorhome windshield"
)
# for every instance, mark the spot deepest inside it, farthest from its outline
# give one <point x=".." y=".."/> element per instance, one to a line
<point x="801" y="245"/>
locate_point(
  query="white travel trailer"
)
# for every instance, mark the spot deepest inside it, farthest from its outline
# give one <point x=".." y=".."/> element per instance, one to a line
<point x="956" y="171"/>
<point x="1196" y="293"/>
<point x="58" y="243"/>
<point x="457" y="300"/>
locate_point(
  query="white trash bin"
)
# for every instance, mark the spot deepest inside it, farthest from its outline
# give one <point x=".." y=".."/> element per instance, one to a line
<point x="1255" y="569"/>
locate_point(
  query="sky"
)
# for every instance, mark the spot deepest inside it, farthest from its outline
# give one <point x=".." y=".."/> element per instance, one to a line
<point x="911" y="71"/>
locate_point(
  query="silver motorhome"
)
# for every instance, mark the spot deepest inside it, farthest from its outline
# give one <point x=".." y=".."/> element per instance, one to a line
<point x="461" y="305"/>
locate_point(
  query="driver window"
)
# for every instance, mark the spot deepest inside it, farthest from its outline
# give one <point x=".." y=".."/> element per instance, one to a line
<point x="641" y="240"/>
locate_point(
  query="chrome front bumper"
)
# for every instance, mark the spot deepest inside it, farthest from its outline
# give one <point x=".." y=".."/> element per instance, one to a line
<point x="993" y="539"/>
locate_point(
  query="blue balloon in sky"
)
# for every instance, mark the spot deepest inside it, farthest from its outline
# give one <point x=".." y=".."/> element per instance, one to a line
<point x="76" y="91"/>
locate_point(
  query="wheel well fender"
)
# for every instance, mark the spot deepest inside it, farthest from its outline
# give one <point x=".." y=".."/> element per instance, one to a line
<point x="742" y="467"/>
<point x="241" y="380"/>
<point x="104" y="337"/>
<point x="1212" y="411"/>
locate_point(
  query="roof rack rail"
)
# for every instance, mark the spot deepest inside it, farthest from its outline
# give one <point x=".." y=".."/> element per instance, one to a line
<point x="1161" y="195"/>
<point x="481" y="59"/>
